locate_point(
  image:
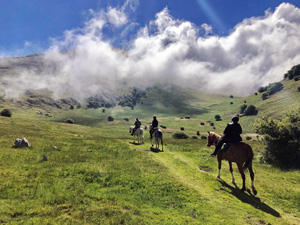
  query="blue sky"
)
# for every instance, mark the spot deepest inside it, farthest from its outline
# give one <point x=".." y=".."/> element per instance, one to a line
<point x="27" y="26"/>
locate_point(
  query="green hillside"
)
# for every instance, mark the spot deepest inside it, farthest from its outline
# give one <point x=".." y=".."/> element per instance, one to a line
<point x="97" y="176"/>
<point x="91" y="172"/>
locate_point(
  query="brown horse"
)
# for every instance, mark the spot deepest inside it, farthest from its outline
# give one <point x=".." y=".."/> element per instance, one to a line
<point x="240" y="153"/>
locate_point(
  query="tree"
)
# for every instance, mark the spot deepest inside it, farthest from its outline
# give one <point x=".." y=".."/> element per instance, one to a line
<point x="218" y="117"/>
<point x="250" y="110"/>
<point x="282" y="138"/>
<point x="6" y="113"/>
<point x="242" y="109"/>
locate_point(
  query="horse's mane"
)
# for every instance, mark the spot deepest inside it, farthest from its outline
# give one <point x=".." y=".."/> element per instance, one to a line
<point x="214" y="135"/>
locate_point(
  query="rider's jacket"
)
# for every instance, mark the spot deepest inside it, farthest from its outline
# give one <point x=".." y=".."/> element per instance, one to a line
<point x="137" y="124"/>
<point x="232" y="132"/>
<point x="154" y="123"/>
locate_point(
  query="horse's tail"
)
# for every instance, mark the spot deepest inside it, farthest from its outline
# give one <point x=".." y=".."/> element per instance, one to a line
<point x="250" y="156"/>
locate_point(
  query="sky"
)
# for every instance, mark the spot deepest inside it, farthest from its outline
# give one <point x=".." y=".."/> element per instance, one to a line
<point x="217" y="46"/>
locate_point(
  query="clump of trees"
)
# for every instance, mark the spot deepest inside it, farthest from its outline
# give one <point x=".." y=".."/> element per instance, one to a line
<point x="293" y="73"/>
<point x="131" y="100"/>
<point x="6" y="113"/>
<point x="282" y="139"/>
<point x="270" y="90"/>
<point x="248" y="110"/>
<point x="218" y="117"/>
<point x="180" y="135"/>
<point x="69" y="120"/>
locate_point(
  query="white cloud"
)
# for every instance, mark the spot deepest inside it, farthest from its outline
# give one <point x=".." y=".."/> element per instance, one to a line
<point x="257" y="52"/>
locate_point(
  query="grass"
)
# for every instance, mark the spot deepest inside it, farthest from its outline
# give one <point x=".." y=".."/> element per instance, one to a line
<point x="95" y="175"/>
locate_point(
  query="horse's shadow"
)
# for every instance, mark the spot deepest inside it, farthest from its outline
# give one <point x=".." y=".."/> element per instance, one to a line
<point x="135" y="143"/>
<point x="249" y="198"/>
<point x="155" y="150"/>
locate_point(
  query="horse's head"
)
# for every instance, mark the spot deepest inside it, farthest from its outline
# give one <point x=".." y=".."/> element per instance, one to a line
<point x="130" y="129"/>
<point x="212" y="138"/>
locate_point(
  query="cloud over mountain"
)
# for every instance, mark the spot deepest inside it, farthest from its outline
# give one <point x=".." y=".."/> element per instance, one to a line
<point x="258" y="51"/>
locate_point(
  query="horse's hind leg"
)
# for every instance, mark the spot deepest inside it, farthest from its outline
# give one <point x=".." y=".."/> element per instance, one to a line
<point x="231" y="171"/>
<point x="252" y="180"/>
<point x="243" y="176"/>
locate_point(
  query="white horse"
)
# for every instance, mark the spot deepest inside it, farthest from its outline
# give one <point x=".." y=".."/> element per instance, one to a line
<point x="158" y="137"/>
<point x="138" y="133"/>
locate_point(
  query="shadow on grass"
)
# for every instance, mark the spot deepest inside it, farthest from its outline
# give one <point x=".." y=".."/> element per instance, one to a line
<point x="249" y="198"/>
<point x="155" y="150"/>
<point x="135" y="143"/>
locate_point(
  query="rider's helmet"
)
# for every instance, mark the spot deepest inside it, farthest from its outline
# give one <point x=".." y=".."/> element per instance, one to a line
<point x="235" y="119"/>
<point x="136" y="118"/>
<point x="154" y="117"/>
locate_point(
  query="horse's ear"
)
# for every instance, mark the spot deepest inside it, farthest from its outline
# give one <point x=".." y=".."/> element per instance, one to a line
<point x="208" y="132"/>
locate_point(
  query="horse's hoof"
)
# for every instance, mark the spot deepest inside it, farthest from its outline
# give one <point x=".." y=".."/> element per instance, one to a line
<point x="218" y="177"/>
<point x="254" y="192"/>
<point x="243" y="189"/>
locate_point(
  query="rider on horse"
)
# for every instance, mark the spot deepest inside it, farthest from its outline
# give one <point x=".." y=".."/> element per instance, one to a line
<point x="231" y="134"/>
<point x="137" y="124"/>
<point x="153" y="125"/>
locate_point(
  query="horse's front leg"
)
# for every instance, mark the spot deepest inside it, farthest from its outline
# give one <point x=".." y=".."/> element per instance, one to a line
<point x="219" y="167"/>
<point x="241" y="169"/>
<point x="231" y="171"/>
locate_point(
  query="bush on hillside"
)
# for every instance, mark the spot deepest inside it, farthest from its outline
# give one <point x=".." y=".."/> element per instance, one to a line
<point x="218" y="117"/>
<point x="274" y="88"/>
<point x="293" y="72"/>
<point x="242" y="109"/>
<point x="250" y="110"/>
<point x="282" y="140"/>
<point x="264" y="96"/>
<point x="180" y="135"/>
<point x="71" y="121"/>
<point x="270" y="89"/>
<point x="110" y="118"/>
<point x="299" y="89"/>
<point x="6" y="113"/>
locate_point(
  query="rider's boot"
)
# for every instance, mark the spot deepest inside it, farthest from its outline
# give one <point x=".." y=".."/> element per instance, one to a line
<point x="214" y="153"/>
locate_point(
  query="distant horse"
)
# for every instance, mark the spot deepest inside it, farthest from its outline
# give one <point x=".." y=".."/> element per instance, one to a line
<point x="158" y="137"/>
<point x="138" y="134"/>
<point x="240" y="153"/>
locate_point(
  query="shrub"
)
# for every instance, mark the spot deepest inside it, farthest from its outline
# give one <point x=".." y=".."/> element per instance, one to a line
<point x="180" y="135"/>
<point x="264" y="96"/>
<point x="110" y="118"/>
<point x="242" y="109"/>
<point x="250" y="110"/>
<point x="299" y="89"/>
<point x="274" y="88"/>
<point x="262" y="89"/>
<point x="203" y="137"/>
<point x="71" y="121"/>
<point x="218" y="118"/>
<point x="182" y="128"/>
<point x="6" y="113"/>
<point x="282" y="140"/>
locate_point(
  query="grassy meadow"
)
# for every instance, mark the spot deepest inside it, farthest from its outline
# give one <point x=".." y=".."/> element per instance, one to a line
<point x="95" y="174"/>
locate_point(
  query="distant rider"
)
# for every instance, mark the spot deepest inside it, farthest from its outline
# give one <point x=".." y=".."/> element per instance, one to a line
<point x="137" y="124"/>
<point x="153" y="125"/>
<point x="231" y="134"/>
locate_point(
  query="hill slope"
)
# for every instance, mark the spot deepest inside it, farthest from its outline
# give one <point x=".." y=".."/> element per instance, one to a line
<point x="95" y="175"/>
